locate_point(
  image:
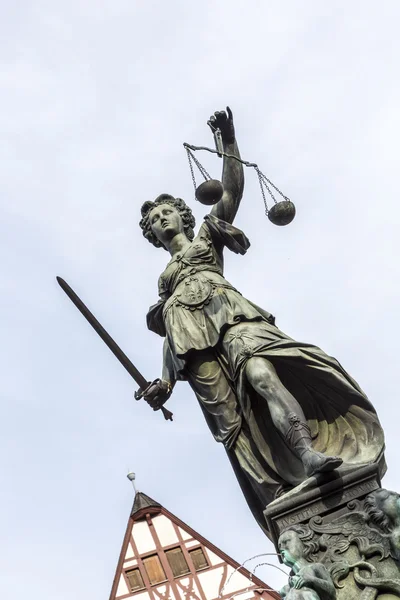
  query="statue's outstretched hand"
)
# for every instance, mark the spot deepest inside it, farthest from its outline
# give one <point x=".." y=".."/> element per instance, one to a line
<point x="157" y="393"/>
<point x="224" y="121"/>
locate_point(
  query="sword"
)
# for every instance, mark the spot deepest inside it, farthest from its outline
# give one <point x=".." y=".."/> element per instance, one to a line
<point x="107" y="339"/>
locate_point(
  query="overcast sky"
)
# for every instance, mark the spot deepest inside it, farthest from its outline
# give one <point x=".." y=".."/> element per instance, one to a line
<point x="96" y="99"/>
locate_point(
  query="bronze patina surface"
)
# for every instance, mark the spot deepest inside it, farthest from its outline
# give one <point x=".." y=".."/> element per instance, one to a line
<point x="284" y="410"/>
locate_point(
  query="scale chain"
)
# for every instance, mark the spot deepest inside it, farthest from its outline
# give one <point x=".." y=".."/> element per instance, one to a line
<point x="262" y="190"/>
<point x="191" y="157"/>
<point x="191" y="167"/>
<point x="272" y="185"/>
<point x="265" y="183"/>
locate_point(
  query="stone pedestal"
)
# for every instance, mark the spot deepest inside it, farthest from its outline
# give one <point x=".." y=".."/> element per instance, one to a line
<point x="340" y="533"/>
<point x="325" y="496"/>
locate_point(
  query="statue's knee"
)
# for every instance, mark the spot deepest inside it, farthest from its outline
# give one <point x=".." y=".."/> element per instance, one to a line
<point x="260" y="373"/>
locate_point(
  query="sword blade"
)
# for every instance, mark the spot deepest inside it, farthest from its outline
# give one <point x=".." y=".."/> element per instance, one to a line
<point x="108" y="340"/>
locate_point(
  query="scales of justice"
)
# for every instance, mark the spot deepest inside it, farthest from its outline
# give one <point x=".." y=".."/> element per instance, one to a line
<point x="304" y="441"/>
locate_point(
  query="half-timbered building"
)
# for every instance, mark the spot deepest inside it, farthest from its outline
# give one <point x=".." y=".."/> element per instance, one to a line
<point x="162" y="558"/>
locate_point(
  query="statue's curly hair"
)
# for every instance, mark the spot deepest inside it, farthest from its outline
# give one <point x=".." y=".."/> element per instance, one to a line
<point x="306" y="535"/>
<point x="183" y="209"/>
<point x="373" y="505"/>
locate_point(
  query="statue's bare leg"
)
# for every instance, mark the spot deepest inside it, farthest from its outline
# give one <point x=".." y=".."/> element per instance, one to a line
<point x="287" y="415"/>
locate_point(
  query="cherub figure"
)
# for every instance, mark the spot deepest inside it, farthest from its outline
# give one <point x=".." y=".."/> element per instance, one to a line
<point x="308" y="581"/>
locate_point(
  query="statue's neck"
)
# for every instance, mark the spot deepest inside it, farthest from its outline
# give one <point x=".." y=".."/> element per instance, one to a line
<point x="298" y="565"/>
<point x="178" y="243"/>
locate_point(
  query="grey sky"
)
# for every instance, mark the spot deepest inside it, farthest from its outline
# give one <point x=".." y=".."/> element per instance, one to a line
<point x="96" y="100"/>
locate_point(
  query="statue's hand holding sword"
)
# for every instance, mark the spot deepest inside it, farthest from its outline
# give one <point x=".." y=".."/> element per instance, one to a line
<point x="156" y="392"/>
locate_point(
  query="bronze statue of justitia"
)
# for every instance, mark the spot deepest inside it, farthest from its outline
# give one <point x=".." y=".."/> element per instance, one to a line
<point x="284" y="410"/>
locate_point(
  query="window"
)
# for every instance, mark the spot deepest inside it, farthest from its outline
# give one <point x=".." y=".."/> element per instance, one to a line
<point x="154" y="569"/>
<point x="135" y="580"/>
<point x="198" y="558"/>
<point x="177" y="562"/>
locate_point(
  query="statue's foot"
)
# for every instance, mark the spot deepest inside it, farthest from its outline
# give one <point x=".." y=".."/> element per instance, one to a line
<point x="282" y="490"/>
<point x="315" y="462"/>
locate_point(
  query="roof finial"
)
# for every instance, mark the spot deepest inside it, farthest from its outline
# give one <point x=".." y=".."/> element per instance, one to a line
<point x="131" y="476"/>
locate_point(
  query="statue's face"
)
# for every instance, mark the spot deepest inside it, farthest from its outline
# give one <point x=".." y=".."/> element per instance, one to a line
<point x="291" y="547"/>
<point x="165" y="222"/>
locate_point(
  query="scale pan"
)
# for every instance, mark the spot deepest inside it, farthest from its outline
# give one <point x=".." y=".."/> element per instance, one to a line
<point x="282" y="213"/>
<point x="209" y="192"/>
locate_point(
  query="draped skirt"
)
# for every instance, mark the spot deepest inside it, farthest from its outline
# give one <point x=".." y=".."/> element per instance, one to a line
<point x="342" y="420"/>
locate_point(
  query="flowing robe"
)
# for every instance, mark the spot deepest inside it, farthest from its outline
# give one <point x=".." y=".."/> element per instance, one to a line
<point x="211" y="331"/>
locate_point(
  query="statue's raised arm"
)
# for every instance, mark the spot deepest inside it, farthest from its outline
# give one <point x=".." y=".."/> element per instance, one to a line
<point x="232" y="171"/>
<point x="284" y="410"/>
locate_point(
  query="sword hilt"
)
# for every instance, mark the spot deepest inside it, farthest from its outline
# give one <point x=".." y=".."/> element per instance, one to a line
<point x="168" y="415"/>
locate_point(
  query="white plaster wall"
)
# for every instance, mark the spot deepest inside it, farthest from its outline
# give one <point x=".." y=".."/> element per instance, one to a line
<point x="129" y="551"/>
<point x="122" y="587"/>
<point x="192" y="543"/>
<point x="184" y="582"/>
<point x="210" y="582"/>
<point x="143" y="538"/>
<point x="213" y="559"/>
<point x="195" y="591"/>
<point x="245" y="595"/>
<point x="237" y="581"/>
<point x="162" y="589"/>
<point x="185" y="535"/>
<point x="130" y="563"/>
<point x="142" y="596"/>
<point x="165" y="530"/>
